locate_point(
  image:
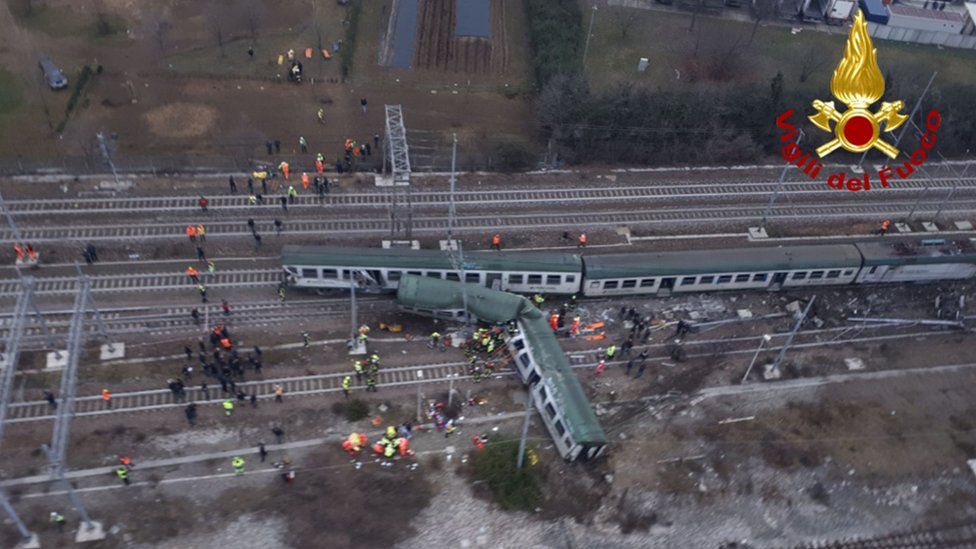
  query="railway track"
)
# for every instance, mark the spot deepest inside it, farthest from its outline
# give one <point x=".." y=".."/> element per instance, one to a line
<point x="524" y="221"/>
<point x="960" y="536"/>
<point x="154" y="400"/>
<point x="141" y="282"/>
<point x="238" y="204"/>
<point x="177" y="319"/>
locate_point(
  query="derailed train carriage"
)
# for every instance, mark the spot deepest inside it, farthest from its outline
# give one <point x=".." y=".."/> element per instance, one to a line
<point x="644" y="273"/>
<point x="538" y="358"/>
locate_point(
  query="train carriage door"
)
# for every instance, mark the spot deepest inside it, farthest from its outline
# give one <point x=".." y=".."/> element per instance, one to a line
<point x="778" y="280"/>
<point x="667" y="284"/>
<point x="493" y="281"/>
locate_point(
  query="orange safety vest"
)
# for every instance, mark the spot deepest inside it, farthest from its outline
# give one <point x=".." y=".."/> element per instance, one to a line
<point x="19" y="250"/>
<point x="200" y="231"/>
<point x="319" y="167"/>
<point x="190" y="231"/>
<point x="106" y="395"/>
<point x="285" y="169"/>
<point x="225" y="343"/>
<point x="305" y="181"/>
<point x="496" y="240"/>
<point x="885" y="223"/>
<point x="582" y="238"/>
<point x="191" y="272"/>
<point x="31" y="252"/>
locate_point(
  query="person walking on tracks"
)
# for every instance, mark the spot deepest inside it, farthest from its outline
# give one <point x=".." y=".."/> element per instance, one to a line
<point x="496" y="242"/>
<point x="49" y="397"/>
<point x="262" y="451"/>
<point x="238" y="464"/>
<point x="277" y="225"/>
<point x="228" y="407"/>
<point x="279" y="393"/>
<point x="191" y="414"/>
<point x="58" y="518"/>
<point x="233" y="185"/>
<point x="123" y="475"/>
<point x="225" y="306"/>
<point x="279" y="434"/>
<point x="346" y="383"/>
<point x="884" y="227"/>
<point x="582" y="241"/>
<point x="107" y="399"/>
<point x="193" y="274"/>
<point x="191" y="233"/>
<point x="203" y="202"/>
<point x="303" y="144"/>
<point x="306" y="340"/>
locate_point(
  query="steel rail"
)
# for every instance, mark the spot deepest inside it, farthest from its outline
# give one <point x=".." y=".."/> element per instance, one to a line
<point x="437" y="224"/>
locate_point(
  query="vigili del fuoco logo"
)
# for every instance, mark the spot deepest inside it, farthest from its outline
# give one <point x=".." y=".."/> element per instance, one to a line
<point x="857" y="83"/>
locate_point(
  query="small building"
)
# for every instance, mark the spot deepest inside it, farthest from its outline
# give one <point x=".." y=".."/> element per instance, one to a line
<point x="836" y="11"/>
<point x="969" y="28"/>
<point x="875" y="11"/>
<point x="931" y="20"/>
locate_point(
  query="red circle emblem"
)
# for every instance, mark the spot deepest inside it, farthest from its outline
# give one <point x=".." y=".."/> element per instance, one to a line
<point x="858" y="131"/>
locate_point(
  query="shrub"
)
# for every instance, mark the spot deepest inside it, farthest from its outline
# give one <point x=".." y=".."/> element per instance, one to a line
<point x="511" y="154"/>
<point x="556" y="35"/>
<point x="513" y="489"/>
<point x="349" y="42"/>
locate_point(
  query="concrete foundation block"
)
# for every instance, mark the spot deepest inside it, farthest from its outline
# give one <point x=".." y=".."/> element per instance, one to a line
<point x="448" y="245"/>
<point x="111" y="351"/>
<point x="411" y="244"/>
<point x="757" y="233"/>
<point x="357" y="348"/>
<point x="55" y="362"/>
<point x="930" y="227"/>
<point x="903" y="227"/>
<point x="92" y="532"/>
<point x="30" y="543"/>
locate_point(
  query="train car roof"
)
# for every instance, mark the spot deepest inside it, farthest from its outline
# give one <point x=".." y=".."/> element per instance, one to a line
<point x="497" y="307"/>
<point x="433" y="293"/>
<point x="922" y="252"/>
<point x="562" y="383"/>
<point x="430" y="259"/>
<point x="733" y="260"/>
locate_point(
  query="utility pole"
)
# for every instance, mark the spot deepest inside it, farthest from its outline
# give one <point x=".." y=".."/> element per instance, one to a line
<point x="911" y="117"/>
<point x="779" y="189"/>
<point x="589" y="33"/>
<point x="398" y="156"/>
<point x="525" y="427"/>
<point x="762" y="342"/>
<point x="796" y="328"/>
<point x="10" y="222"/>
<point x="103" y="145"/>
<point x="457" y="260"/>
<point x="952" y="190"/>
<point x="28" y="538"/>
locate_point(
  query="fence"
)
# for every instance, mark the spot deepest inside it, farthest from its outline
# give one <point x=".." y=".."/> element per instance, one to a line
<point x="936" y="38"/>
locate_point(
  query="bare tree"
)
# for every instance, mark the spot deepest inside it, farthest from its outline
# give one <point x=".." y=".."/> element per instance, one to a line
<point x="699" y="6"/>
<point x="761" y="10"/>
<point x="254" y="13"/>
<point x="623" y="20"/>
<point x="217" y="20"/>
<point x="810" y="62"/>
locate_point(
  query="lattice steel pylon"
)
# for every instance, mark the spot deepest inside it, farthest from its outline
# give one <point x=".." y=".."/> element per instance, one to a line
<point x="57" y="452"/>
<point x="396" y="163"/>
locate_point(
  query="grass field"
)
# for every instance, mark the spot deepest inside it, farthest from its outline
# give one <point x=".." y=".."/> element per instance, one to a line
<point x="11" y="95"/>
<point x="723" y="49"/>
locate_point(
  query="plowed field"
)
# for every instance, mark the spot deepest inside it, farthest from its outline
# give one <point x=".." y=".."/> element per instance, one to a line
<point x="438" y="48"/>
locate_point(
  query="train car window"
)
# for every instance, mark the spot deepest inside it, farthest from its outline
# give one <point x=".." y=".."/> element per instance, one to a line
<point x="310" y="273"/>
<point x="760" y="277"/>
<point x="550" y="410"/>
<point x="647" y="283"/>
<point x="799" y="276"/>
<point x="415" y="273"/>
<point x="629" y="284"/>
<point x="724" y="279"/>
<point x="848" y="272"/>
<point x="559" y="428"/>
<point x="345" y="274"/>
<point x="535" y="279"/>
<point x="519" y="344"/>
<point x="454" y="277"/>
<point x="542" y="393"/>
<point x="425" y="311"/>
<point x="707" y="279"/>
<point x="817" y="274"/>
<point x="433" y="274"/>
<point x="687" y="281"/>
<point x="742" y="278"/>
<point x="873" y="269"/>
<point x="329" y="273"/>
<point x="553" y="280"/>
<point x="525" y="360"/>
<point x="833" y="274"/>
<point x="393" y="276"/>
<point x="472" y="278"/>
<point x="610" y="285"/>
<point x="515" y="279"/>
<point x="570" y="279"/>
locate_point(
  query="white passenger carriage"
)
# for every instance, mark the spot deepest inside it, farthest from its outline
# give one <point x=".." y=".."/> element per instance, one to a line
<point x="380" y="270"/>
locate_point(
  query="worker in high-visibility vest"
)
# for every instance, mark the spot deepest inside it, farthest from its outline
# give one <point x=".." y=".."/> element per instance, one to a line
<point x="305" y="181"/>
<point x="20" y="253"/>
<point x="884" y="227"/>
<point x="582" y="240"/>
<point x="575" y="328"/>
<point x="238" y="464"/>
<point x="346" y="383"/>
<point x="496" y="242"/>
<point x="285" y="169"/>
<point x="228" y="407"/>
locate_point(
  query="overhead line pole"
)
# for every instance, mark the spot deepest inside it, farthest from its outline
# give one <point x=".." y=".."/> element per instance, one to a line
<point x="918" y="103"/>
<point x="796" y="328"/>
<point x="525" y="427"/>
<point x="12" y="350"/>
<point x="779" y="189"/>
<point x="457" y="261"/>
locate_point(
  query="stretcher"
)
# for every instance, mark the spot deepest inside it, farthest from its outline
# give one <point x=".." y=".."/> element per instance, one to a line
<point x="326" y="54"/>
